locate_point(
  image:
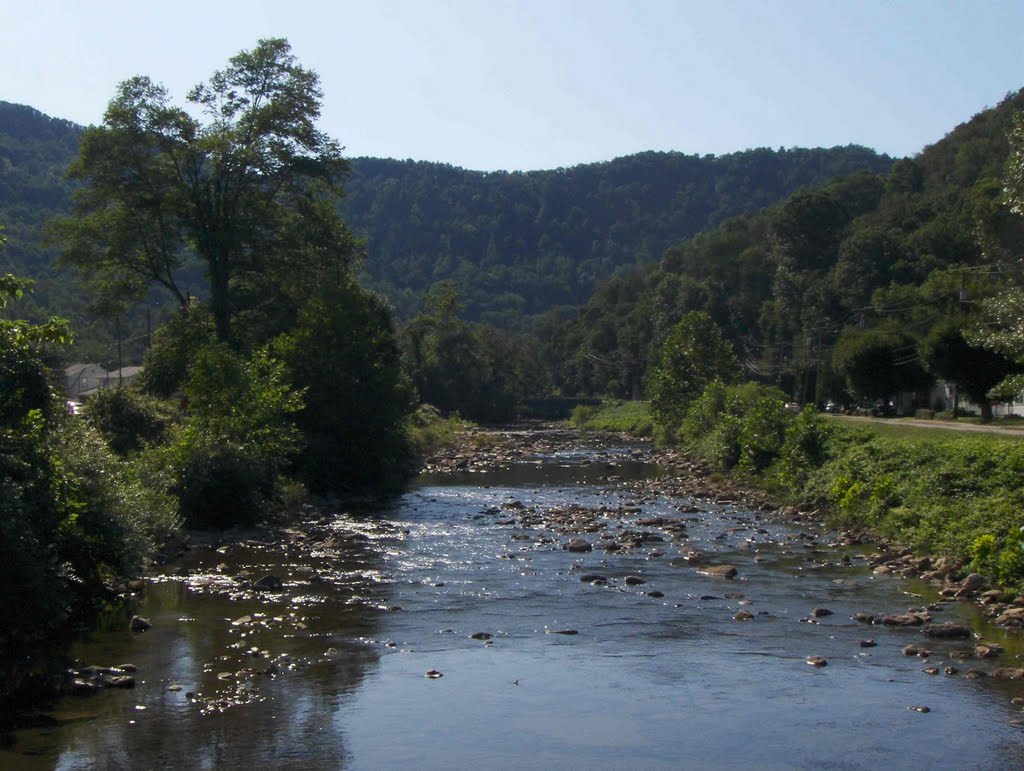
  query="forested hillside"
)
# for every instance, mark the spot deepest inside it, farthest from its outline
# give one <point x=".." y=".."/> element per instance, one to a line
<point x="34" y="152"/>
<point x="802" y="288"/>
<point x="515" y="243"/>
<point x="525" y="242"/>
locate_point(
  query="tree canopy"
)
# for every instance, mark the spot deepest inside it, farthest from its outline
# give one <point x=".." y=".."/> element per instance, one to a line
<point x="249" y="189"/>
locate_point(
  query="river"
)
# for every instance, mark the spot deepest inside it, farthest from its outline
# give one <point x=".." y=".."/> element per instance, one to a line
<point x="648" y="662"/>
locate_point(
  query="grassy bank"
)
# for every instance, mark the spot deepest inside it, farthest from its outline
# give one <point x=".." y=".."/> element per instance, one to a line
<point x="960" y="495"/>
<point x="622" y="416"/>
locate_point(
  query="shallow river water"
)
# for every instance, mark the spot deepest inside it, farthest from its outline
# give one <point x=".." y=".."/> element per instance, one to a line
<point x="329" y="670"/>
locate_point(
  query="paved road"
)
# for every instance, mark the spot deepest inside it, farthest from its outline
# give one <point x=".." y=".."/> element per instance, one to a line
<point x="942" y="425"/>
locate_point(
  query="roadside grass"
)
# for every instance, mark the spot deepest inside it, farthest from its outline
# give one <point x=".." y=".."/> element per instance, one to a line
<point x="925" y="430"/>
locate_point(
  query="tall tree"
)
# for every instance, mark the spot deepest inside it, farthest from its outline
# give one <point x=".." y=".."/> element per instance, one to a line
<point x="694" y="354"/>
<point x="250" y="188"/>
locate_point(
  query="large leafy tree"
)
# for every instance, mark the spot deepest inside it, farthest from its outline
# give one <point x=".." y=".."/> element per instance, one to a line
<point x="249" y="188"/>
<point x="879" y="363"/>
<point x="694" y="355"/>
<point x="973" y="368"/>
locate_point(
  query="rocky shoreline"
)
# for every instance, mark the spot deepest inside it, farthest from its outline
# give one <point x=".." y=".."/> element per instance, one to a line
<point x="314" y="539"/>
<point x="482" y="450"/>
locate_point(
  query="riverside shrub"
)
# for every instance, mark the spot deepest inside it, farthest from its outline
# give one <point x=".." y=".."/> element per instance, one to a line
<point x="953" y="494"/>
<point x="74" y="519"/>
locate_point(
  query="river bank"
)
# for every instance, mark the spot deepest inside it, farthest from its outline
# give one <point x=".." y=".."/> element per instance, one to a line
<point x="688" y="477"/>
<point x="543" y="576"/>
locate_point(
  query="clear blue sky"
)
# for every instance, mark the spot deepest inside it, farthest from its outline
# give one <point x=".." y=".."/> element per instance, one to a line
<point x="528" y="84"/>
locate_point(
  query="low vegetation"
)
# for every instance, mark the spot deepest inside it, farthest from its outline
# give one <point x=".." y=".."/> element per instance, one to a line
<point x="935" y="491"/>
<point x="615" y="415"/>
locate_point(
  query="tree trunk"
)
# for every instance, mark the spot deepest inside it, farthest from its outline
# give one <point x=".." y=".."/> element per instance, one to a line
<point x="986" y="411"/>
<point x="219" y="301"/>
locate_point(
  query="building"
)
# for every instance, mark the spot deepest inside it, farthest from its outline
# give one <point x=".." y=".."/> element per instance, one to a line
<point x="83" y="380"/>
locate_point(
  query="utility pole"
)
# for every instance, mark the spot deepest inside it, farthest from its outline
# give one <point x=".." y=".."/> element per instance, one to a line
<point x="120" y="364"/>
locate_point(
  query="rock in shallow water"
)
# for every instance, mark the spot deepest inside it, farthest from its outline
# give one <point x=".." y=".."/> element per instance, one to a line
<point x="947" y="631"/>
<point x="722" y="571"/>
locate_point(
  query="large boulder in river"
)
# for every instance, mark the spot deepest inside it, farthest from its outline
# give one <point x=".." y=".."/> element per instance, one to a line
<point x="139" y="624"/>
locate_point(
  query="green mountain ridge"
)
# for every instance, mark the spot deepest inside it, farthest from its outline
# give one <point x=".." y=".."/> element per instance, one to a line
<point x="896" y="252"/>
<point x="516" y="243"/>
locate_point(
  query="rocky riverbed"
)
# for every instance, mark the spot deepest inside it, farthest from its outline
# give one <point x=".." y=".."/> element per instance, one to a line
<point x="548" y="598"/>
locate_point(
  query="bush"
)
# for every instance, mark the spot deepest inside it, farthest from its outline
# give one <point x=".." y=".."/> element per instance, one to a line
<point x="804" y="449"/>
<point x="174" y="347"/>
<point x="738" y="426"/>
<point x="127" y="419"/>
<point x="73" y="519"/>
<point x="219" y="484"/>
<point x="225" y="461"/>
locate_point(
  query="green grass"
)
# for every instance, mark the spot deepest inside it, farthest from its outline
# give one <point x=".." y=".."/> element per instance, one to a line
<point x="959" y="494"/>
<point x="614" y="415"/>
<point x="429" y="431"/>
<point x="906" y="429"/>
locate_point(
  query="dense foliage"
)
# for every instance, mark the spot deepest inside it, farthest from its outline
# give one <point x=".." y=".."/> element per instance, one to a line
<point x="525" y="242"/>
<point x="693" y="355"/>
<point x="900" y="251"/>
<point x="73" y="519"/>
<point x="514" y="243"/>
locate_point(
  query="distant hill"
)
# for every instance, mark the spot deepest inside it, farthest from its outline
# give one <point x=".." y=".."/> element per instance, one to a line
<point x="525" y="242"/>
<point x="892" y="249"/>
<point x="517" y="243"/>
<point x="34" y="151"/>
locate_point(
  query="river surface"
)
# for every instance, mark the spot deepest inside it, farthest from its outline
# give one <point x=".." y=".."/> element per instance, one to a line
<point x="329" y="670"/>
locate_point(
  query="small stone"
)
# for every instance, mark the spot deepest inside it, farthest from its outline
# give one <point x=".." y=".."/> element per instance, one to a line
<point x="972" y="583"/>
<point x="481" y="636"/>
<point x="140" y="624"/>
<point x="951" y="670"/>
<point x="817" y="661"/>
<point x="820" y="612"/>
<point x="931" y="670"/>
<point x="987" y="651"/>
<point x="914" y="650"/>
<point x="863" y="618"/>
<point x="433" y="674"/>
<point x="723" y="571"/>
<point x="633" y="581"/>
<point x="742" y="615"/>
<point x="564" y="631"/>
<point x="919" y="708"/>
<point x="868" y="644"/>
<point x="579" y="545"/>
<point x="656" y="594"/>
<point x="269" y="582"/>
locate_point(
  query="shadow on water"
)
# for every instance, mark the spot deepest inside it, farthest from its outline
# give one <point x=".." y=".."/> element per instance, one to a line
<point x="228" y="676"/>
